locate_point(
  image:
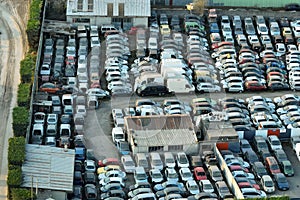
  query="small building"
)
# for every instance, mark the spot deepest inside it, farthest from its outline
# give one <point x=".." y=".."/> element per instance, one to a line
<point x="161" y="133"/>
<point x="48" y="168"/>
<point x="121" y="13"/>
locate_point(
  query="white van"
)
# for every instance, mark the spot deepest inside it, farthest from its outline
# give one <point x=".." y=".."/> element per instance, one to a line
<point x="67" y="99"/>
<point x="152" y="43"/>
<point x="81" y="31"/>
<point x="107" y="27"/>
<point x="155" y="161"/>
<point x="37" y="133"/>
<point x="65" y="130"/>
<point x="169" y="160"/>
<point x="141" y="160"/>
<point x="117" y="134"/>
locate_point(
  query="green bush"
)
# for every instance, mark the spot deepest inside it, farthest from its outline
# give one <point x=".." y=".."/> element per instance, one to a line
<point x="33" y="25"/>
<point x="16" y="152"/>
<point x="14" y="177"/>
<point x="24" y="95"/>
<point x="21" y="194"/>
<point x="20" y="121"/>
<point x="27" y="67"/>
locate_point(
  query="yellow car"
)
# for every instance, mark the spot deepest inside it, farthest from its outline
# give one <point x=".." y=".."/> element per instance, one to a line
<point x="165" y="30"/>
<point x="107" y="168"/>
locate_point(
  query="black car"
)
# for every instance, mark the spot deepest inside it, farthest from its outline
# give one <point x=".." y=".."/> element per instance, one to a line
<point x="259" y="169"/>
<point x="292" y="7"/>
<point x="278" y="85"/>
<point x="78" y="180"/>
<point x="152" y="90"/>
<point x="89" y="177"/>
<point x="251" y="157"/>
<point x="90" y="191"/>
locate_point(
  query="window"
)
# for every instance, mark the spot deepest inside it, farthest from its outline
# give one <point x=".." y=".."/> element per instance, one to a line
<point x="82" y="20"/>
<point x="110" y="9"/>
<point x="121" y="9"/>
<point x="175" y="148"/>
<point x="79" y="5"/>
<point x="156" y="148"/>
<point x="90" y="5"/>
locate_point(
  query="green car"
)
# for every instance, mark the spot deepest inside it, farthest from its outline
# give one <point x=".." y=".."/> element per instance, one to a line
<point x="286" y="168"/>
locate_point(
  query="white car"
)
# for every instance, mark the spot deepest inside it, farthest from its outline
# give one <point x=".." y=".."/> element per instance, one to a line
<point x="182" y="160"/>
<point x="235" y="87"/>
<point x="262" y="29"/>
<point x="80" y="109"/>
<point x="274" y="28"/>
<point x="206" y="186"/>
<point x="128" y="163"/>
<point x="156" y="176"/>
<point x="286" y="97"/>
<point x="116" y="84"/>
<point x="95" y="42"/>
<point x="242" y="174"/>
<point x="99" y="93"/>
<point x="208" y="87"/>
<point x="267" y="184"/>
<point x="171" y="175"/>
<point x="192" y="187"/>
<point x="274" y="142"/>
<point x="280" y="49"/>
<point x="185" y="174"/>
<point x="89" y="165"/>
<point x="287" y="109"/>
<point x="109" y="180"/>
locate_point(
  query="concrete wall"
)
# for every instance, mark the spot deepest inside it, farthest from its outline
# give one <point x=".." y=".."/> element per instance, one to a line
<point x="140" y="21"/>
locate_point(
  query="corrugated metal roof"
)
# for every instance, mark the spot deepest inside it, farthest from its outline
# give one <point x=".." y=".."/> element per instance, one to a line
<point x="161" y="130"/>
<point x="164" y="137"/>
<point x="48" y="167"/>
<point x="132" y="8"/>
<point x="159" y="122"/>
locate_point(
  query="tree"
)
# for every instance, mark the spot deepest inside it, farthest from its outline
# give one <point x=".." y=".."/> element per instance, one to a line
<point x="21" y="194"/>
<point x="198" y="6"/>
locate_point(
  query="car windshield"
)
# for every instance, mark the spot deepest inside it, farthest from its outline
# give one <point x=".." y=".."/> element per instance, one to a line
<point x="207" y="186"/>
<point x="274" y="167"/>
<point x="187" y="174"/>
<point x="269" y="184"/>
<point x="156" y="175"/>
<point x="129" y="163"/>
<point x="173" y="175"/>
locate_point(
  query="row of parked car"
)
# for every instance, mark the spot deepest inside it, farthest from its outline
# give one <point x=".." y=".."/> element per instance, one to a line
<point x="255" y="53"/>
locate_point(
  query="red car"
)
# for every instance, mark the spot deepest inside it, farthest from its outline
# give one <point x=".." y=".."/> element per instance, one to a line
<point x="108" y="161"/>
<point x="220" y="44"/>
<point x="238" y="168"/>
<point x="255" y="86"/>
<point x="199" y="174"/>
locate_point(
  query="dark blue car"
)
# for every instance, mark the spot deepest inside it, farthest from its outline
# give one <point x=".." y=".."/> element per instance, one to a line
<point x="214" y="28"/>
<point x="281" y="181"/>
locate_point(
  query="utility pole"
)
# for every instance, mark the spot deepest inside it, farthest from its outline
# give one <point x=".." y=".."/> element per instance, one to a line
<point x="31" y="187"/>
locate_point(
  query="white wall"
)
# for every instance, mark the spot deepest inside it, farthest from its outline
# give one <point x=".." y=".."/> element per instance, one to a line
<point x="140" y="21"/>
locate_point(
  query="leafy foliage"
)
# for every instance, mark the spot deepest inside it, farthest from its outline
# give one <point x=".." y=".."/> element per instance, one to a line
<point x="16" y="151"/>
<point x="24" y="95"/>
<point x="21" y="194"/>
<point x="14" y="177"/>
<point x="20" y="121"/>
<point x="27" y="67"/>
